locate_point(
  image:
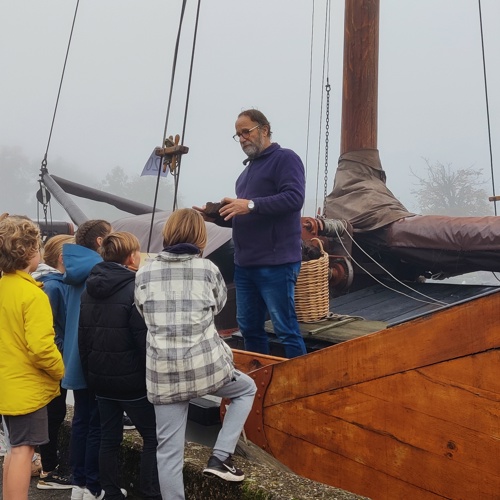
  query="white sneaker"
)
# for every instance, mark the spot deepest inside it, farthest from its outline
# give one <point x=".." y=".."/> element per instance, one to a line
<point x="88" y="495"/>
<point x="77" y="493"/>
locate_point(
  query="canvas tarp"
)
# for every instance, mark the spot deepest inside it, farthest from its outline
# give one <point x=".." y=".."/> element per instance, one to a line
<point x="140" y="226"/>
<point x="360" y="194"/>
<point x="422" y="244"/>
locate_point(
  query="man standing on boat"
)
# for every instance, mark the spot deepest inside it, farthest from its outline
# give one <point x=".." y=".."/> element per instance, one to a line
<point x="265" y="218"/>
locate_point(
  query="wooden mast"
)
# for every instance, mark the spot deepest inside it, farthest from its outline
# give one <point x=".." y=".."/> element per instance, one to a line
<point x="360" y="87"/>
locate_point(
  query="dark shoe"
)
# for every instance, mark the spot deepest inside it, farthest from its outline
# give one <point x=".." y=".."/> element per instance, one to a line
<point x="225" y="470"/>
<point x="128" y="425"/>
<point x="53" y="481"/>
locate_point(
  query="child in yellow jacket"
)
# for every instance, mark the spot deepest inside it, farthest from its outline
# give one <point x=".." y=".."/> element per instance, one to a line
<point x="30" y="363"/>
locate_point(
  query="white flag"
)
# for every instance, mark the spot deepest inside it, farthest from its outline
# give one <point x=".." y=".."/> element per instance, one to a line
<point x="153" y="165"/>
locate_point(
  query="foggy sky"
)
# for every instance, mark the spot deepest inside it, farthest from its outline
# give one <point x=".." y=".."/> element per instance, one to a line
<point x="249" y="54"/>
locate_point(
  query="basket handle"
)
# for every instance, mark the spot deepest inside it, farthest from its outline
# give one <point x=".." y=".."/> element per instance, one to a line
<point x="320" y="244"/>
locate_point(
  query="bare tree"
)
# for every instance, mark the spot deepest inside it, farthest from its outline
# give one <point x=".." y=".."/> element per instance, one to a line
<point x="19" y="183"/>
<point x="449" y="191"/>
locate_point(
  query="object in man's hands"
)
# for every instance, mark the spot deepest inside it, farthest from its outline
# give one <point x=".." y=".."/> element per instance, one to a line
<point x="212" y="209"/>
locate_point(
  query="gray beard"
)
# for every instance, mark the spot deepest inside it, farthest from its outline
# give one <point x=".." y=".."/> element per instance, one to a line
<point x="254" y="150"/>
<point x="251" y="151"/>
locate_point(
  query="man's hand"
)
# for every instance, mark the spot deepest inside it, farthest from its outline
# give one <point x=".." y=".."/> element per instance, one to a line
<point x="234" y="206"/>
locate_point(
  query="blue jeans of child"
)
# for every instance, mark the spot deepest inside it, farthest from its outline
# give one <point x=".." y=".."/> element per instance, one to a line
<point x="142" y="414"/>
<point x="268" y="289"/>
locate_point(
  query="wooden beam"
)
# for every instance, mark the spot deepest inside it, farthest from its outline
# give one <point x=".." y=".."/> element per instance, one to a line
<point x="360" y="82"/>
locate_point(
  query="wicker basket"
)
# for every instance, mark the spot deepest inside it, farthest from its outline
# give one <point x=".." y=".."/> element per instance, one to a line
<point x="311" y="291"/>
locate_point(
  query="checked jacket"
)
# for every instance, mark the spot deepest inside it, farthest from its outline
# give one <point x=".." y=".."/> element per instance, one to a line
<point x="179" y="295"/>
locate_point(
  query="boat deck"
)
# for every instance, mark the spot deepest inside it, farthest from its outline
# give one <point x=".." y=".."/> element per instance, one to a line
<point x="374" y="308"/>
<point x="400" y="304"/>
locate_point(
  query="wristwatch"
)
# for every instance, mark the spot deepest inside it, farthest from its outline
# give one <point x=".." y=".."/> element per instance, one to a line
<point x="251" y="205"/>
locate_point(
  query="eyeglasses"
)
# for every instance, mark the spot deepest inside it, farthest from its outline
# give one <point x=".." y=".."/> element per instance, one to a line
<point x="245" y="133"/>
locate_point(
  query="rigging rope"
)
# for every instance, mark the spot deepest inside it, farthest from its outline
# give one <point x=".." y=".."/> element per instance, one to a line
<point x="45" y="195"/>
<point x="487" y="105"/>
<point x="61" y="82"/>
<point x="434" y="302"/>
<point x="167" y="115"/>
<point x="177" y="174"/>
<point x="310" y="95"/>
<point x="327" y="116"/>
<point x="338" y="226"/>
<point x="326" y="43"/>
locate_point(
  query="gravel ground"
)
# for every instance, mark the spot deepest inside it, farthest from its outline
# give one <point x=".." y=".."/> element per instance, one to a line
<point x="36" y="494"/>
<point x="266" y="478"/>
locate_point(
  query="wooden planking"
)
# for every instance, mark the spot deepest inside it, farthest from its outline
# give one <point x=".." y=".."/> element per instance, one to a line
<point x="472" y="372"/>
<point x="449" y="294"/>
<point x="379" y="303"/>
<point x="447" y="334"/>
<point x="423" y="391"/>
<point x="324" y="466"/>
<point x="336" y="333"/>
<point x="458" y="424"/>
<point x="409" y="412"/>
<point x="386" y="305"/>
<point x="387" y="443"/>
<point x="333" y="331"/>
<point x="356" y="304"/>
<point x="247" y="362"/>
<point x="360" y="325"/>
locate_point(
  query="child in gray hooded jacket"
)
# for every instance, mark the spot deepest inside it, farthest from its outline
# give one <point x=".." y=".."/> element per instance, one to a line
<point x="179" y="294"/>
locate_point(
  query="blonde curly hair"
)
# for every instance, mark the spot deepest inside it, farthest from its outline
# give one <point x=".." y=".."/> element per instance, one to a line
<point x="20" y="240"/>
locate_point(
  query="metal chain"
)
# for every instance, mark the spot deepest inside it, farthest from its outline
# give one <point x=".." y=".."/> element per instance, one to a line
<point x="327" y="134"/>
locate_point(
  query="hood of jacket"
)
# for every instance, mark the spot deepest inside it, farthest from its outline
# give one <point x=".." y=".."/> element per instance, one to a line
<point x="78" y="261"/>
<point x="174" y="257"/>
<point x="107" y="278"/>
<point x="43" y="271"/>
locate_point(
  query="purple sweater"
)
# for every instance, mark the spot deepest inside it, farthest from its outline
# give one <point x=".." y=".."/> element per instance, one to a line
<point x="271" y="234"/>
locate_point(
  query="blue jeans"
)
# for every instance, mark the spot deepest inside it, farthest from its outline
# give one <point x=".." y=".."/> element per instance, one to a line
<point x="85" y="441"/>
<point x="142" y="414"/>
<point x="268" y="289"/>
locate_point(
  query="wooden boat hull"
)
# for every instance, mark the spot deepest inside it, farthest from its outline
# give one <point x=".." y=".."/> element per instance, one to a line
<point x="412" y="411"/>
